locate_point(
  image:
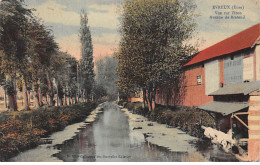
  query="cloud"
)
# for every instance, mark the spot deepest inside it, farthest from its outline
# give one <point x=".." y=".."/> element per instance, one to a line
<point x="99" y="15"/>
<point x="106" y="19"/>
<point x="53" y="12"/>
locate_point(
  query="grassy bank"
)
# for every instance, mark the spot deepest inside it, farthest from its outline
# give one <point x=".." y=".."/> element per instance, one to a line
<point x="185" y="118"/>
<point x="23" y="130"/>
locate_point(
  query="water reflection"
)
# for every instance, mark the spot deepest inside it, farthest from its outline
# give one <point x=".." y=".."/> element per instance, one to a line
<point x="107" y="139"/>
<point x="79" y="149"/>
<point x="110" y="139"/>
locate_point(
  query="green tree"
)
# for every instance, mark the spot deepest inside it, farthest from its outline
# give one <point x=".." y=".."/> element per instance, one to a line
<point x="72" y="86"/>
<point x="45" y="49"/>
<point x="13" y="43"/>
<point x="86" y="63"/>
<point x="99" y="92"/>
<point x="154" y="45"/>
<point x="30" y="60"/>
<point x="107" y="76"/>
<point x="27" y="46"/>
<point x="60" y="65"/>
<point x="65" y="67"/>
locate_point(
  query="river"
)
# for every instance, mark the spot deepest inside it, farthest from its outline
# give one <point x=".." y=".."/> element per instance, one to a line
<point x="111" y="139"/>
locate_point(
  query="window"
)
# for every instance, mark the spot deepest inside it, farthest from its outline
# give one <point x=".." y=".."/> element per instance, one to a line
<point x="199" y="80"/>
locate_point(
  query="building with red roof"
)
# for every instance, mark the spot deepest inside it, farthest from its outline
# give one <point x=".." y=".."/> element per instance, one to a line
<point x="233" y="60"/>
<point x="243" y="40"/>
<point x="224" y="80"/>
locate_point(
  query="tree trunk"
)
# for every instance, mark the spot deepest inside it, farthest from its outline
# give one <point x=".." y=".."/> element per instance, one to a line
<point x="65" y="100"/>
<point x="70" y="101"/>
<point x="26" y="105"/>
<point x="82" y="96"/>
<point x="29" y="97"/>
<point x="51" y="93"/>
<point x="57" y="98"/>
<point x="11" y="92"/>
<point x="75" y="97"/>
<point x="5" y="100"/>
<point x="39" y="96"/>
<point x="12" y="102"/>
<point x="144" y="97"/>
<point x="36" y="100"/>
<point x="151" y="99"/>
<point x="61" y="101"/>
<point x="47" y="99"/>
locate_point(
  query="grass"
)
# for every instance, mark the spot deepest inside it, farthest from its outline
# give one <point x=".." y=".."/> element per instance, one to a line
<point x="23" y="130"/>
<point x="20" y="105"/>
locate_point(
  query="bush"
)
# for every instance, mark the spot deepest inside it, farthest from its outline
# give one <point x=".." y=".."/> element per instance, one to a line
<point x="186" y="118"/>
<point x="25" y="129"/>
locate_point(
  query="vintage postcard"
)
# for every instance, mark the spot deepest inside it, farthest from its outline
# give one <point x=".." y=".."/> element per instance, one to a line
<point x="129" y="81"/>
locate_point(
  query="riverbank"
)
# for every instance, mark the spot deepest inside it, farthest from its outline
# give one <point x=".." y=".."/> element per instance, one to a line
<point x="174" y="139"/>
<point x="20" y="131"/>
<point x="186" y="119"/>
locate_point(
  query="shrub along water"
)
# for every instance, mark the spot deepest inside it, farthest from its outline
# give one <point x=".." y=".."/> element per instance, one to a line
<point x="185" y="118"/>
<point x="23" y="130"/>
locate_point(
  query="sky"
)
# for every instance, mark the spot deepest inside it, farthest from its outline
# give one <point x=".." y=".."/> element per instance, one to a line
<point x="63" y="17"/>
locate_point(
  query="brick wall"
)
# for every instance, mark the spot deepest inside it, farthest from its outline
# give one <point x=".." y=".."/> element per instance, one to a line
<point x="254" y="126"/>
<point x="190" y="94"/>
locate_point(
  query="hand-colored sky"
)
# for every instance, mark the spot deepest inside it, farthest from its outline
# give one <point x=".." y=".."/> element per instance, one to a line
<point x="63" y="16"/>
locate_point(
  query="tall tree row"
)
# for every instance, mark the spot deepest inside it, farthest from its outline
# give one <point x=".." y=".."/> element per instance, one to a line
<point x="30" y="60"/>
<point x="15" y="46"/>
<point x="65" y="75"/>
<point x="86" y="66"/>
<point x="154" y="46"/>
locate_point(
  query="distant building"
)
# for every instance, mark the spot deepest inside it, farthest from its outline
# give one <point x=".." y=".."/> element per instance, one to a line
<point x="135" y="97"/>
<point x="224" y="80"/>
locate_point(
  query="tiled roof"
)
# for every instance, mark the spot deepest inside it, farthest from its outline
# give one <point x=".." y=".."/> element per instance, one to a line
<point x="240" y="41"/>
